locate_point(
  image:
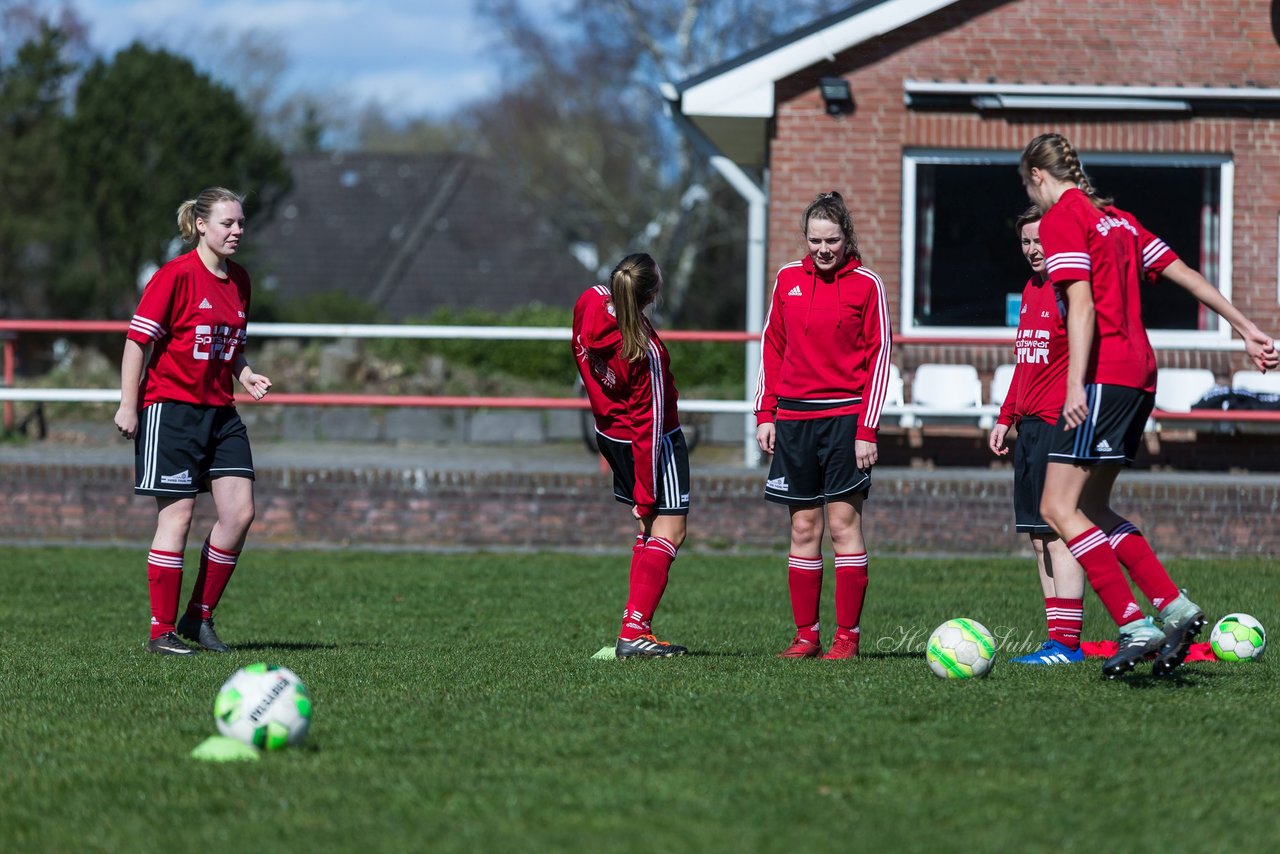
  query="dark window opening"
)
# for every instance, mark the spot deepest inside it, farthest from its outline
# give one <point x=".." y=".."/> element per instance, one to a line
<point x="967" y="257"/>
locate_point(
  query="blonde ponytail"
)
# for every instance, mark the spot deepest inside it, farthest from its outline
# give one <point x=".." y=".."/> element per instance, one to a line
<point x="634" y="283"/>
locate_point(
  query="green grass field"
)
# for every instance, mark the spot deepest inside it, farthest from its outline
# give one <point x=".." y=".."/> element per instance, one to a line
<point x="457" y="707"/>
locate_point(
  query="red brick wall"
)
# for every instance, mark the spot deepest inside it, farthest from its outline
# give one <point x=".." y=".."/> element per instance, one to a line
<point x="910" y="511"/>
<point x="1095" y="42"/>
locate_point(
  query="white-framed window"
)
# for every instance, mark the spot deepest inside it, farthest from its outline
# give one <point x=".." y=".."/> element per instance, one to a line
<point x="961" y="260"/>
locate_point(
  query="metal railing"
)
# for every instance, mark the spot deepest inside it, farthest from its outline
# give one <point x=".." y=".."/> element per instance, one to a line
<point x="905" y="413"/>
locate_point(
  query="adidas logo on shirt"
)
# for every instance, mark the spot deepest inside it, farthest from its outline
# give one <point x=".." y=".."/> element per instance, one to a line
<point x="204" y="303"/>
<point x="1104" y="447"/>
<point x="777" y="483"/>
<point x="182" y="478"/>
<point x="794" y="292"/>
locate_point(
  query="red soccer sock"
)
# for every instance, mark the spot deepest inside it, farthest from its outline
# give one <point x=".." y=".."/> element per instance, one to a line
<point x="1093" y="551"/>
<point x="1144" y="567"/>
<point x="216" y="566"/>
<point x="164" y="584"/>
<point x="851" y="590"/>
<point x="1065" y="618"/>
<point x="650" y="569"/>
<point x="804" y="578"/>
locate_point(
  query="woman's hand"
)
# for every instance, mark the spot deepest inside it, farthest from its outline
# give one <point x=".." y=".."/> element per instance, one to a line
<point x="256" y="384"/>
<point x="996" y="440"/>
<point x="1262" y="351"/>
<point x="127" y="421"/>
<point x="866" y="453"/>
<point x="765" y="436"/>
<point x="1076" y="408"/>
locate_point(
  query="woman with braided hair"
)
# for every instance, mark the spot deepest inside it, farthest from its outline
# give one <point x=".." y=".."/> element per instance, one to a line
<point x="1097" y="255"/>
<point x="823" y="376"/>
<point x="627" y="374"/>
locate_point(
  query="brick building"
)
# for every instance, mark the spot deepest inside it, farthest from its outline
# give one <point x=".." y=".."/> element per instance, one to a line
<point x="1173" y="104"/>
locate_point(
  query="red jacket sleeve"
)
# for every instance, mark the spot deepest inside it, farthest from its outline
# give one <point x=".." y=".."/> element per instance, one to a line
<point x="773" y="343"/>
<point x="1006" y="416"/>
<point x="877" y="339"/>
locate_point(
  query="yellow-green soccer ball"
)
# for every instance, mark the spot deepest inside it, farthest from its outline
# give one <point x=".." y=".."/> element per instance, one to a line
<point x="265" y="706"/>
<point x="1238" y="637"/>
<point x="961" y="649"/>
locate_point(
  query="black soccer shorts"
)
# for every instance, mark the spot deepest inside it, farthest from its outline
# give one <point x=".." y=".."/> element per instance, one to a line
<point x="1112" y="431"/>
<point x="181" y="447"/>
<point x="815" y="461"/>
<point x="672" y="489"/>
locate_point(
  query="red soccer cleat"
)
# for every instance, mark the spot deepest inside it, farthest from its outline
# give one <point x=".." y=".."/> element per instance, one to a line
<point x="844" y="646"/>
<point x="801" y="648"/>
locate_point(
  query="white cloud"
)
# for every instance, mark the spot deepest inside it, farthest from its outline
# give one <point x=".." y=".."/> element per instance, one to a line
<point x="410" y="57"/>
<point x="411" y="92"/>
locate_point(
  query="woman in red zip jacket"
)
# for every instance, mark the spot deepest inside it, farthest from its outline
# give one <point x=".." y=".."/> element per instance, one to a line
<point x="627" y="374"/>
<point x="823" y="376"/>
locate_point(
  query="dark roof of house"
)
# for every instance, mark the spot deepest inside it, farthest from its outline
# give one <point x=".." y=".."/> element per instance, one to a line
<point x="411" y="233"/>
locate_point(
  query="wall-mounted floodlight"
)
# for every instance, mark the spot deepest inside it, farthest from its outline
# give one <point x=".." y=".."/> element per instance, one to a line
<point x="836" y="95"/>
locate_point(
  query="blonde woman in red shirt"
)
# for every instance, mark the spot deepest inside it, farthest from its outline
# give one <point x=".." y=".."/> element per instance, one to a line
<point x="824" y="373"/>
<point x="626" y="371"/>
<point x="1097" y="255"/>
<point x="189" y="333"/>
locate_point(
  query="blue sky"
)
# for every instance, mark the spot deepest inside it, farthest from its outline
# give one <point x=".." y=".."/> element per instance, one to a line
<point x="414" y="57"/>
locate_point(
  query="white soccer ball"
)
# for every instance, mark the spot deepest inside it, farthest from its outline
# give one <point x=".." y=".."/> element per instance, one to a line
<point x="1238" y="637"/>
<point x="265" y="706"/>
<point x="961" y="649"/>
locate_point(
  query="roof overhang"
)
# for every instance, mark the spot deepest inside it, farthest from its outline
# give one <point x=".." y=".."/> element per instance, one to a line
<point x="995" y="97"/>
<point x="734" y="102"/>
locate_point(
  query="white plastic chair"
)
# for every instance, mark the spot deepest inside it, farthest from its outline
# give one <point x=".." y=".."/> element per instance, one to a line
<point x="1268" y="383"/>
<point x="1001" y="380"/>
<point x="893" y="394"/>
<point x="1178" y="388"/>
<point x="946" y="393"/>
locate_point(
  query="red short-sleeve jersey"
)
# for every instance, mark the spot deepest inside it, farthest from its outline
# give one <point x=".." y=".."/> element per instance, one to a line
<point x="1112" y="251"/>
<point x="1039" y="386"/>
<point x="196" y="324"/>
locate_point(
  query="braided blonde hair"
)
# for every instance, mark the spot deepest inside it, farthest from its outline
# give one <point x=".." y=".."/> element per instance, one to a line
<point x="1051" y="153"/>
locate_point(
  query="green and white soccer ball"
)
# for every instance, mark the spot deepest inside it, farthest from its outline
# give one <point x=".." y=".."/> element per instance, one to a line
<point x="265" y="706"/>
<point x="1238" y="637"/>
<point x="961" y="649"/>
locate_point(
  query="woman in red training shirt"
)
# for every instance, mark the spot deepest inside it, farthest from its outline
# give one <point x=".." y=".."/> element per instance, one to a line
<point x="627" y="374"/>
<point x="1033" y="404"/>
<point x="823" y="377"/>
<point x="189" y="332"/>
